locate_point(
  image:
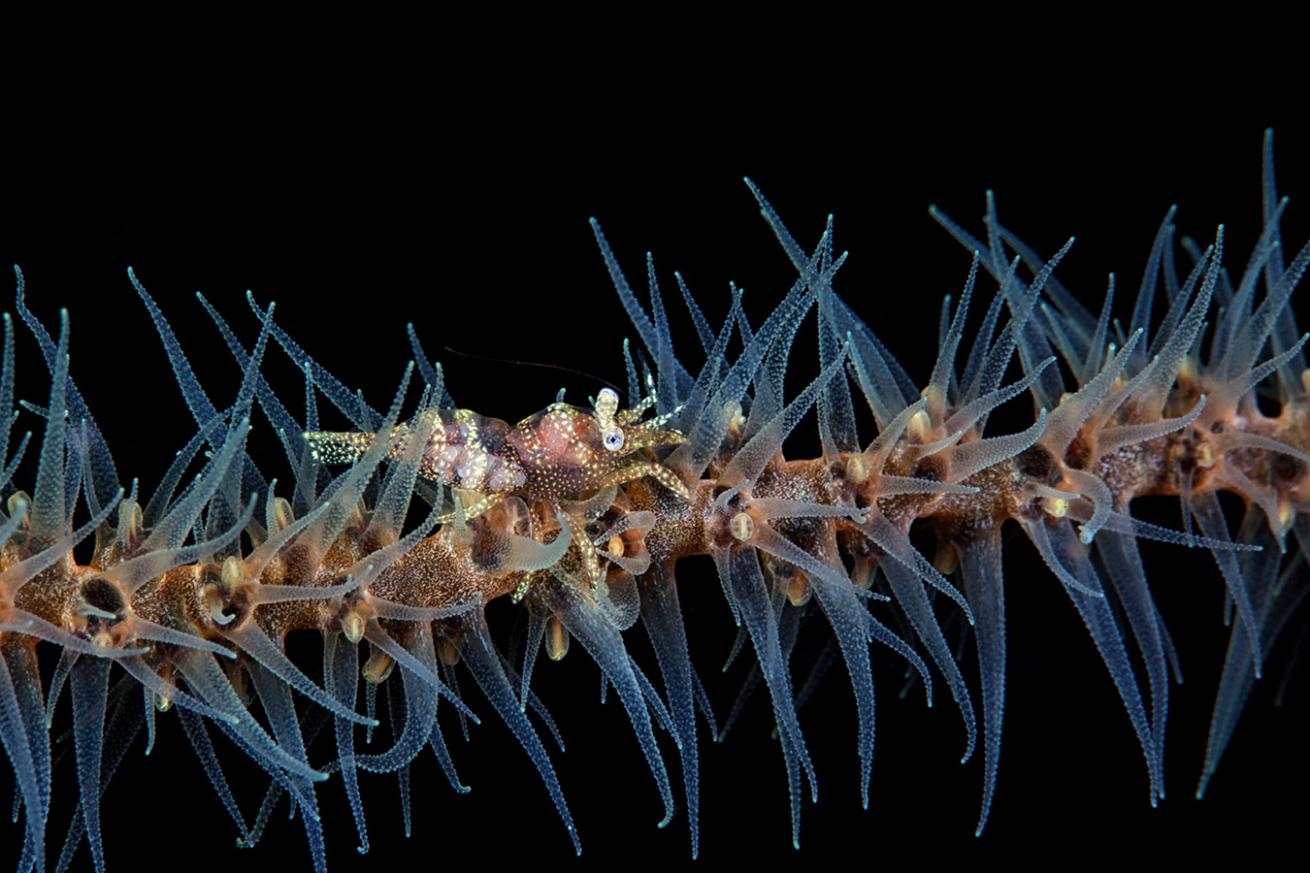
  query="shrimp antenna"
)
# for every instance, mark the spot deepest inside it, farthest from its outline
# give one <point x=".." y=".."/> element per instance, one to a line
<point x="540" y="364"/>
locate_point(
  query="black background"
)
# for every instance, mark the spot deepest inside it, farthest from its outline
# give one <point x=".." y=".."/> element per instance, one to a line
<point x="473" y="226"/>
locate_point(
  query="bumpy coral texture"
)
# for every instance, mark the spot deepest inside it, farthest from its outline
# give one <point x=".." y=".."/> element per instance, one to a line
<point x="580" y="515"/>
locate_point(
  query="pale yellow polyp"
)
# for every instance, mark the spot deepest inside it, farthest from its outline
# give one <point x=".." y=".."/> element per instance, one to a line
<point x="919" y="425"/>
<point x="352" y="625"/>
<point x="741" y="526"/>
<point x="1056" y="507"/>
<point x="234" y="572"/>
<point x="557" y="639"/>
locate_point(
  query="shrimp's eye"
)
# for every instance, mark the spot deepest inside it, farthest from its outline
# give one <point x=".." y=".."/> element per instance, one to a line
<point x="614" y="439"/>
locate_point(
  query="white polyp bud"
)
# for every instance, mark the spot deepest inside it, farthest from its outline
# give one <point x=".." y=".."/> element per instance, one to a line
<point x="614" y="439"/>
<point x="18" y="503"/>
<point x="736" y="419"/>
<point x="163" y="702"/>
<point x="233" y="574"/>
<point x="919" y="425"/>
<point x="556" y="639"/>
<point x="352" y="625"/>
<point x="741" y="526"/>
<point x="1056" y="507"/>
<point x="378" y="667"/>
<point x="1205" y="456"/>
<point x="1187" y="371"/>
<point x="798" y="590"/>
<point x="857" y="471"/>
<point x="130" y="519"/>
<point x="615" y="547"/>
<point x="282" y="515"/>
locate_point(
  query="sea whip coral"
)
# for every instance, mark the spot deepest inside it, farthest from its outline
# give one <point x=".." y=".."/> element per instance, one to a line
<point x="185" y="601"/>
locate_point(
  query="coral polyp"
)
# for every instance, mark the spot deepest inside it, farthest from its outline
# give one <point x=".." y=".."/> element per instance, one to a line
<point x="396" y="535"/>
